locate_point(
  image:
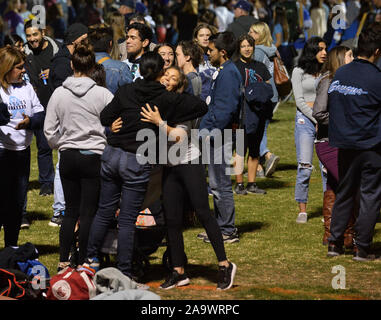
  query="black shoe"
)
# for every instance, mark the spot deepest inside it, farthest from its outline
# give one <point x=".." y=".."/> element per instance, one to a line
<point x="226" y="276"/>
<point x="362" y="254"/>
<point x="240" y="189"/>
<point x="46" y="189"/>
<point x="57" y="219"/>
<point x="334" y="250"/>
<point x="253" y="188"/>
<point x="175" y="280"/>
<point x="227" y="238"/>
<point x="24" y="223"/>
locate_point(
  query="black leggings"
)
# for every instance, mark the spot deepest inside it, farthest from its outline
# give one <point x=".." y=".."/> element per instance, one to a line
<point x="179" y="182"/>
<point x="80" y="177"/>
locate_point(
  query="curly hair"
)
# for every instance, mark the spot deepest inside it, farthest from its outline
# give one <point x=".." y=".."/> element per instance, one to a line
<point x="307" y="60"/>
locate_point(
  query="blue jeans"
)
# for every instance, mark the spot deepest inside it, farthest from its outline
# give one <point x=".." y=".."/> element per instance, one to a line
<point x="221" y="187"/>
<point x="14" y="173"/>
<point x="45" y="158"/>
<point x="123" y="184"/>
<point x="304" y="142"/>
<point x="263" y="146"/>
<point x="59" y="199"/>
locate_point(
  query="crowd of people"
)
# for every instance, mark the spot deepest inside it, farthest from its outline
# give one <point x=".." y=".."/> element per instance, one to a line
<point x="95" y="74"/>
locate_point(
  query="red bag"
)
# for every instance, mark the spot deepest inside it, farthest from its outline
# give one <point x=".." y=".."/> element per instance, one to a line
<point x="72" y="284"/>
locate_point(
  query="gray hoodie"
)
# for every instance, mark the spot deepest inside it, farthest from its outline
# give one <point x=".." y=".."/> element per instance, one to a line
<point x="72" y="116"/>
<point x="265" y="54"/>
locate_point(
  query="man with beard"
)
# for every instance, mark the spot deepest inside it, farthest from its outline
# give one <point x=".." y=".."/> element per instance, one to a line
<point x="39" y="50"/>
<point x="138" y="40"/>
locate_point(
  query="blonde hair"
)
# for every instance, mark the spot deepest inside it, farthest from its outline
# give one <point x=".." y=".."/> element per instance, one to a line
<point x="9" y="58"/>
<point x="264" y="32"/>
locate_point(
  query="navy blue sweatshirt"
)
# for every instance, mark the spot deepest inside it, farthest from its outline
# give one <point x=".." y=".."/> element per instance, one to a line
<point x="354" y="104"/>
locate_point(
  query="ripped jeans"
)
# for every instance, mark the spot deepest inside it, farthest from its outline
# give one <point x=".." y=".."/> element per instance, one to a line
<point x="305" y="134"/>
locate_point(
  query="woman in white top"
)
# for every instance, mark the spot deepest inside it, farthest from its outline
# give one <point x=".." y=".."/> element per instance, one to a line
<point x="26" y="114"/>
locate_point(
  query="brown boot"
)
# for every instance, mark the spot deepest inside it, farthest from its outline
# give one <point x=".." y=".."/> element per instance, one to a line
<point x="328" y="202"/>
<point x="350" y="232"/>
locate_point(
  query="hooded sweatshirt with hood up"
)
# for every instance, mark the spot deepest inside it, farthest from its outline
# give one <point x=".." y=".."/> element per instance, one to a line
<point x="130" y="98"/>
<point x="73" y="116"/>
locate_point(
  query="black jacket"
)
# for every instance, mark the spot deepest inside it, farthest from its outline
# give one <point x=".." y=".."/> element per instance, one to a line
<point x="34" y="66"/>
<point x="128" y="100"/>
<point x="60" y="68"/>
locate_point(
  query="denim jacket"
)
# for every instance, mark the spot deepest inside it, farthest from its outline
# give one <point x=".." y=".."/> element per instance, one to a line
<point x="117" y="72"/>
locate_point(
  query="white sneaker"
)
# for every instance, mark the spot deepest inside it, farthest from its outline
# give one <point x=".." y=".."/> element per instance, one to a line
<point x="302" y="217"/>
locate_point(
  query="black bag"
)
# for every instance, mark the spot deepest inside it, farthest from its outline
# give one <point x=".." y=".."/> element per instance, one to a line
<point x="16" y="284"/>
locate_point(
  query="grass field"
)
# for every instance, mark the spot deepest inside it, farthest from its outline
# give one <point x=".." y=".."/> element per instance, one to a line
<point x="276" y="258"/>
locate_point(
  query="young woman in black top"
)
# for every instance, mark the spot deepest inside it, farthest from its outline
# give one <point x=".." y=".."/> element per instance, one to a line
<point x="251" y="71"/>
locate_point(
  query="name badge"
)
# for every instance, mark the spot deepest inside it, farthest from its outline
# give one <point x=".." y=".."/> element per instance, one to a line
<point x="215" y="75"/>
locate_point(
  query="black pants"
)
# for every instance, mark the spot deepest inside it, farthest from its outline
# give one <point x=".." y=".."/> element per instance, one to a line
<point x="253" y="140"/>
<point x="179" y="182"/>
<point x="80" y="177"/>
<point x="14" y="179"/>
<point x="359" y="173"/>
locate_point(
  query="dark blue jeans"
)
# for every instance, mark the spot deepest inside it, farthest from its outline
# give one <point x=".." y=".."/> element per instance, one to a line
<point x="44" y="158"/>
<point x="359" y="172"/>
<point x="14" y="178"/>
<point x="123" y="184"/>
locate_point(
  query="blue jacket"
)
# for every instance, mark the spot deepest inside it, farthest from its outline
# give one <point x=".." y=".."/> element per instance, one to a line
<point x="354" y="104"/>
<point x="224" y="98"/>
<point x="117" y="72"/>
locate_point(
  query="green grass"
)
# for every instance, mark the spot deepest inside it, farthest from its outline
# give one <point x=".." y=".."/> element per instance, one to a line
<point x="276" y="258"/>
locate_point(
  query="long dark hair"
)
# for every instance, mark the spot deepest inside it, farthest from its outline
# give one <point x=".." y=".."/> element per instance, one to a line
<point x="151" y="66"/>
<point x="249" y="39"/>
<point x="307" y="60"/>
